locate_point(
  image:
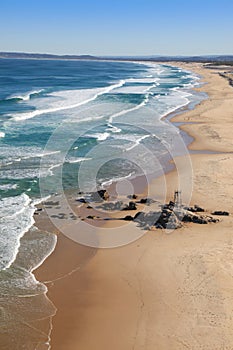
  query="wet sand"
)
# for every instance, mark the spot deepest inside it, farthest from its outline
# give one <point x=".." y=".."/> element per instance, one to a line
<point x="164" y="291"/>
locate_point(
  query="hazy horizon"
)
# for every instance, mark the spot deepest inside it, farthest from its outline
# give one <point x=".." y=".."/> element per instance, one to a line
<point x="113" y="56"/>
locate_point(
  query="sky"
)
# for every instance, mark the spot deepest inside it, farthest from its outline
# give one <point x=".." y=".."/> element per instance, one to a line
<point x="117" y="27"/>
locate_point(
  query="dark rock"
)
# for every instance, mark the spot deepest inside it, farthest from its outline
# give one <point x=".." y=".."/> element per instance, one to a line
<point x="147" y="201"/>
<point x="214" y="220"/>
<point x="221" y="213"/>
<point x="133" y="196"/>
<point x="169" y="206"/>
<point x="195" y="209"/>
<point x="169" y="219"/>
<point x="130" y="206"/>
<point x="81" y="200"/>
<point x="59" y="216"/>
<point x="173" y="224"/>
<point x="99" y="196"/>
<point x="139" y="215"/>
<point x="187" y="218"/>
<point x="144" y="219"/>
<point x="198" y="209"/>
<point x="72" y="216"/>
<point x="157" y="225"/>
<point x="128" y="218"/>
<point x="89" y="207"/>
<point x="103" y="194"/>
<point x="202" y="221"/>
<point x="90" y="217"/>
<point x="112" y="206"/>
<point x="143" y="200"/>
<point x="164" y="217"/>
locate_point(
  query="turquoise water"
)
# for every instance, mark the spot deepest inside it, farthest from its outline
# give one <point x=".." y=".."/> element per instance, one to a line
<point x="93" y="123"/>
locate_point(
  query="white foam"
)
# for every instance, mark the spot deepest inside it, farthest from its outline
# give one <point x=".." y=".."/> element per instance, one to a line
<point x="69" y="99"/>
<point x="13" y="154"/>
<point x="83" y="120"/>
<point x="28" y="173"/>
<point x="54" y="166"/>
<point x="116" y="179"/>
<point x="137" y="142"/>
<point x="113" y="128"/>
<point x="2" y="134"/>
<point x="7" y="187"/>
<point x="144" y="80"/>
<point x="26" y="96"/>
<point x="77" y="160"/>
<point x="175" y="101"/>
<point x="40" y="200"/>
<point x="45" y="256"/>
<point x="16" y="219"/>
<point x="48" y="153"/>
<point x="99" y="136"/>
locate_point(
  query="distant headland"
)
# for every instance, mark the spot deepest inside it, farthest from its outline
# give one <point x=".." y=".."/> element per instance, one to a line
<point x="219" y="59"/>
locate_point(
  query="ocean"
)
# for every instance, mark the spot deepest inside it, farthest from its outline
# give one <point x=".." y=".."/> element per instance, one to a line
<point x="72" y="125"/>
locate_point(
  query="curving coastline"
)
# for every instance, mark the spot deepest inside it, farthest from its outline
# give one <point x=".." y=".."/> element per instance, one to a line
<point x="162" y="291"/>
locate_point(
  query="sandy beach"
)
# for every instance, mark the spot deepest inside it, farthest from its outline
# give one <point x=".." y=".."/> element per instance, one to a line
<point x="165" y="291"/>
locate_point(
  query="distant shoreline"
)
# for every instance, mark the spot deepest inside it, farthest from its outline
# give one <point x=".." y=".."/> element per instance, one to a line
<point x="217" y="59"/>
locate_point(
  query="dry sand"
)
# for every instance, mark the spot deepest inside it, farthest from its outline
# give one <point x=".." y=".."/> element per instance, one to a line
<point x="164" y="291"/>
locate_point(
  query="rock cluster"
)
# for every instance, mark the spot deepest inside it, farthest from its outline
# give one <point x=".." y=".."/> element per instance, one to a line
<point x="171" y="217"/>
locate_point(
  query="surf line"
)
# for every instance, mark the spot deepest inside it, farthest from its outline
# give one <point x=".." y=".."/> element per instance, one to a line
<point x="33" y="114"/>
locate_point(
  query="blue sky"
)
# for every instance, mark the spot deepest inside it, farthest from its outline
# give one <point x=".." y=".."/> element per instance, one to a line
<point x="117" y="27"/>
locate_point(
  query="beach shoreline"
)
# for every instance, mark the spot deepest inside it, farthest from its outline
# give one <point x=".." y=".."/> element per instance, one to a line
<point x="145" y="295"/>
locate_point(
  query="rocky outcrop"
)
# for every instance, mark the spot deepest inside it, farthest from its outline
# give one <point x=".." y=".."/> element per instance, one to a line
<point x="195" y="209"/>
<point x="147" y="201"/>
<point x="168" y="219"/>
<point x="198" y="219"/>
<point x="130" y="206"/>
<point x="171" y="218"/>
<point x="99" y="196"/>
<point x="221" y="213"/>
<point x="128" y="218"/>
